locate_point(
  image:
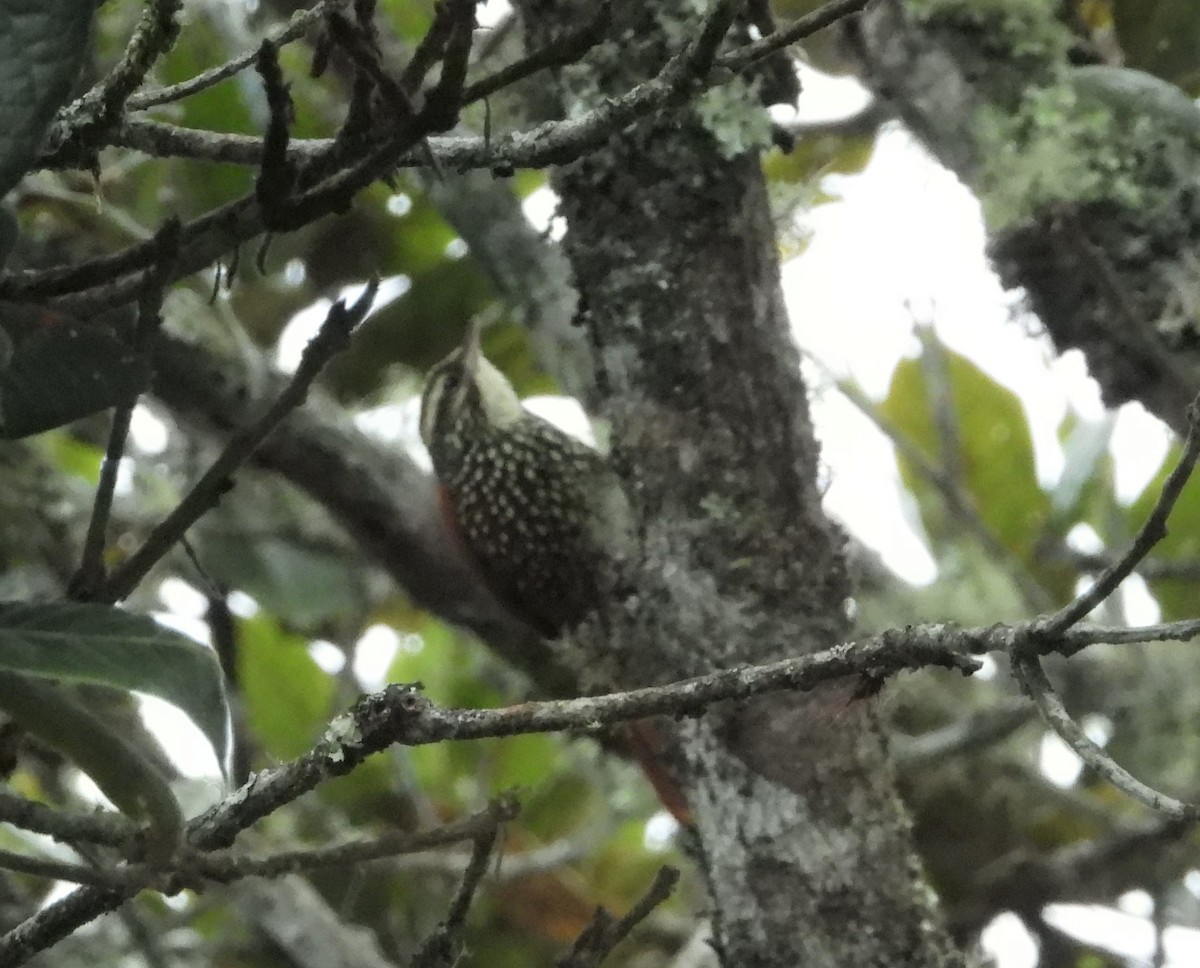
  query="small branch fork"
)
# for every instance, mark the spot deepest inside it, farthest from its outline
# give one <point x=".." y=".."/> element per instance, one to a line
<point x="1052" y="634"/>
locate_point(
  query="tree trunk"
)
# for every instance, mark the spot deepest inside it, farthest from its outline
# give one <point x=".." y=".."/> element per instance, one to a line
<point x="804" y="846"/>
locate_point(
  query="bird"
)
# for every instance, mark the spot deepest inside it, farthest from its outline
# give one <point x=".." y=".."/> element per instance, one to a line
<point x="542" y="516"/>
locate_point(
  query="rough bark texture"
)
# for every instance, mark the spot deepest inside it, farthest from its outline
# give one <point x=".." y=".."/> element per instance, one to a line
<point x="1089" y="177"/>
<point x="804" y="846"/>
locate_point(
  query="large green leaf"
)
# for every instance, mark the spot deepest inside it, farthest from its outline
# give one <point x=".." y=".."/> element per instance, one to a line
<point x="61" y="370"/>
<point x="99" y="644"/>
<point x="995" y="453"/>
<point x="42" y="46"/>
<point x="55" y="715"/>
<point x="287" y="697"/>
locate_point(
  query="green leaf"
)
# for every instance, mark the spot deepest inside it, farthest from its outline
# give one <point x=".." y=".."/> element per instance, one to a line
<point x="307" y="584"/>
<point x="124" y="775"/>
<point x="63" y="371"/>
<point x="288" y="698"/>
<point x="99" y="644"/>
<point x="42" y="46"/>
<point x="817" y="155"/>
<point x="995" y="458"/>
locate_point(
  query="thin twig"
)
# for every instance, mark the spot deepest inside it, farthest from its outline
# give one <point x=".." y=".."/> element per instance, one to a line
<point x="1093" y="869"/>
<point x="300" y="21"/>
<point x="1152" y="532"/>
<point x="561" y="51"/>
<point x="277" y="175"/>
<point x="1151" y="569"/>
<point x="935" y="370"/>
<point x="969" y="735"/>
<point x="59" y="870"/>
<point x="332" y="337"/>
<point x="444" y="100"/>
<point x="226" y="866"/>
<point x="513" y="867"/>
<point x="798" y="29"/>
<point x="597" y="941"/>
<point x="104" y="827"/>
<point x="443" y="948"/>
<point x="85" y="121"/>
<point x="367" y="60"/>
<point x="154" y="284"/>
<point x="1032" y="677"/>
<point x="1161" y="923"/>
<point x="1047" y="634"/>
<point x="429" y="50"/>
<point x="147" y="935"/>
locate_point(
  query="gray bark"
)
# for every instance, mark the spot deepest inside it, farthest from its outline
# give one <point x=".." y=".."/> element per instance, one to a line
<point x="804" y="845"/>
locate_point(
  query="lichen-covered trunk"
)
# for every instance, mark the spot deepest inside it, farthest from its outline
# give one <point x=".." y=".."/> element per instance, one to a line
<point x="804" y="846"/>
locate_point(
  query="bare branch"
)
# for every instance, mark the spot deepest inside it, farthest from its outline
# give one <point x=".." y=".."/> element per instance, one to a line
<point x="969" y="735"/>
<point x="429" y="51"/>
<point x="225" y="866"/>
<point x="444" y="101"/>
<point x="1151" y="569"/>
<point x="58" y="870"/>
<point x="301" y="923"/>
<point x="366" y="59"/>
<point x="564" y="50"/>
<point x="400" y="714"/>
<point x="206" y="238"/>
<point x="277" y="176"/>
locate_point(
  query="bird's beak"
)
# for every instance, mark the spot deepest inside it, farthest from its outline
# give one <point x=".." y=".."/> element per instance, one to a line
<point x="471" y="352"/>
